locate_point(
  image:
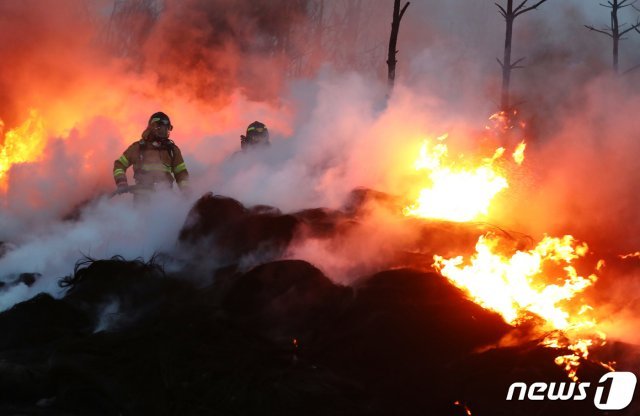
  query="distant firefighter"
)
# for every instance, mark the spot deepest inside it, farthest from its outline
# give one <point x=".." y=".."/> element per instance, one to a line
<point x="156" y="160"/>
<point x="257" y="136"/>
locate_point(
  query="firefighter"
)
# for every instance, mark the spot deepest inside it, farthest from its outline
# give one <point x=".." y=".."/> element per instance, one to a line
<point x="257" y="136"/>
<point x="156" y="160"/>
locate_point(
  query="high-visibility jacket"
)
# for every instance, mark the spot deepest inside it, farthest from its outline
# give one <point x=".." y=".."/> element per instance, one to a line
<point x="155" y="163"/>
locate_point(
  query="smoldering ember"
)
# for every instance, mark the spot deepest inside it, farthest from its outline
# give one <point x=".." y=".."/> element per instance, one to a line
<point x="319" y="207"/>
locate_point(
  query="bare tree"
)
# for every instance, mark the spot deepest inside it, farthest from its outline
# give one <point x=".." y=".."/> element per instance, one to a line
<point x="393" y="40"/>
<point x="130" y="23"/>
<point x="615" y="31"/>
<point x="510" y="13"/>
<point x="340" y="32"/>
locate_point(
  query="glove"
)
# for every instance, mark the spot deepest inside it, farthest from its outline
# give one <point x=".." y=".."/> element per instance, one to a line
<point x="185" y="188"/>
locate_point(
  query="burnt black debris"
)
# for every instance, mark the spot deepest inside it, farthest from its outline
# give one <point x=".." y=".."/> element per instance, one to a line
<point x="273" y="336"/>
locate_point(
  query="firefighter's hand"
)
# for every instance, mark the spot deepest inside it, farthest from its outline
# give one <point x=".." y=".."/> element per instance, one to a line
<point x="185" y="189"/>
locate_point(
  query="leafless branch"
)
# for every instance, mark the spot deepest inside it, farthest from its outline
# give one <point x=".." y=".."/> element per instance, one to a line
<point x="515" y="64"/>
<point x="517" y="13"/>
<point x="503" y="12"/>
<point x="404" y="9"/>
<point x="599" y="31"/>
<point x="634" y="27"/>
<point x="633" y="68"/>
<point x="500" y="62"/>
<point x="519" y="6"/>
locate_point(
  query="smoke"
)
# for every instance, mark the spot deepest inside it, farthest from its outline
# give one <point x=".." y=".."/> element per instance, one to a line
<point x="585" y="172"/>
<point x="316" y="77"/>
<point x="106" y="228"/>
<point x="211" y="49"/>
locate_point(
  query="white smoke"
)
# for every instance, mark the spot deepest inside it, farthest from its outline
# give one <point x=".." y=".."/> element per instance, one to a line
<point x="106" y="228"/>
<point x="337" y="130"/>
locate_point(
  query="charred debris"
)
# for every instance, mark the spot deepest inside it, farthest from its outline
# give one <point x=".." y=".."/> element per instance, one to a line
<point x="262" y="334"/>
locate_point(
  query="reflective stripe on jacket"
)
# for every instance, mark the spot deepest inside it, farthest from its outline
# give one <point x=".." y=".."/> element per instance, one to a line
<point x="152" y="164"/>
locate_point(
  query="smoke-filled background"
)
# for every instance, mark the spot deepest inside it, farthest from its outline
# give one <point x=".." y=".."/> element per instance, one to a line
<point x="84" y="76"/>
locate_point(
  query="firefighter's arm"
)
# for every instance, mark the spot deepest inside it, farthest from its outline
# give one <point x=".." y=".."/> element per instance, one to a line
<point x="179" y="169"/>
<point x="120" y="166"/>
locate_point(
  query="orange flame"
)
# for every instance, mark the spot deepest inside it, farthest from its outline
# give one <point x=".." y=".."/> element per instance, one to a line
<point x="464" y="406"/>
<point x="579" y="348"/>
<point x="513" y="286"/>
<point x="25" y="143"/>
<point x="503" y="121"/>
<point x="518" y="154"/>
<point x="456" y="192"/>
<point x="542" y="282"/>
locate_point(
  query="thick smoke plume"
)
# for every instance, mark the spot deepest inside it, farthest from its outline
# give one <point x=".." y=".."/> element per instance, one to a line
<point x="92" y="72"/>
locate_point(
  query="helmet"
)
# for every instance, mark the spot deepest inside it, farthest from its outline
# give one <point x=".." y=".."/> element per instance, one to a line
<point x="161" y="118"/>
<point x="257" y="133"/>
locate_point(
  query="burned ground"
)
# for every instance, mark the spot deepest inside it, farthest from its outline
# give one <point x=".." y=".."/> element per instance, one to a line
<point x="275" y="336"/>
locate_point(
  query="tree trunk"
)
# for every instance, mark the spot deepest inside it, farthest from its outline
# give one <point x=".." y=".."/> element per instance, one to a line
<point x="393" y="40"/>
<point x="615" y="33"/>
<point x="506" y="61"/>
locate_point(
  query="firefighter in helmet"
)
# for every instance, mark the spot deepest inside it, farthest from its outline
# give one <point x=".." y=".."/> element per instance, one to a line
<point x="257" y="136"/>
<point x="156" y="160"/>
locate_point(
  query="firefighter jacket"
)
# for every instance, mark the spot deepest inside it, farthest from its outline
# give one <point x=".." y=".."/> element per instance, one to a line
<point x="155" y="164"/>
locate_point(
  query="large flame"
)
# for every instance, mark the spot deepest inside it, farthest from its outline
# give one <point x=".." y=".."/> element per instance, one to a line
<point x="519" y="285"/>
<point x="541" y="282"/>
<point x="457" y="190"/>
<point x="25" y="143"/>
<point x="515" y="285"/>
